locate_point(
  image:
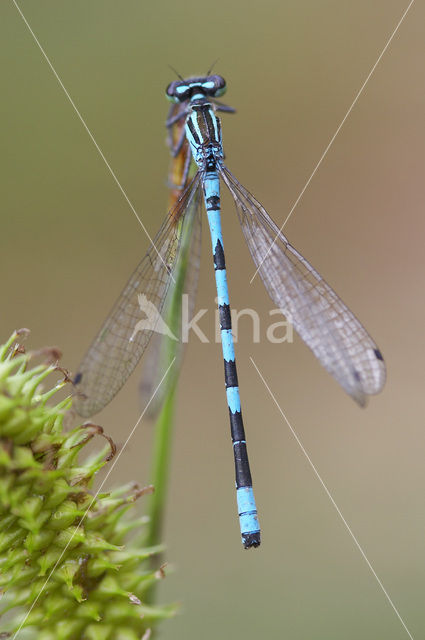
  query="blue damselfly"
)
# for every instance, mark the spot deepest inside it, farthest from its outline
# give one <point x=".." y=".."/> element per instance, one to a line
<point x="323" y="321"/>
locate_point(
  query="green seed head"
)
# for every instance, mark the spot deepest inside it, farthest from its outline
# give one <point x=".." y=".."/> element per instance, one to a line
<point x="67" y="569"/>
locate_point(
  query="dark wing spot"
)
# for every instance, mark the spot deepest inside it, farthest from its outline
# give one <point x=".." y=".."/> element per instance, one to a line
<point x="356" y="375"/>
<point x="378" y="354"/>
<point x="77" y="379"/>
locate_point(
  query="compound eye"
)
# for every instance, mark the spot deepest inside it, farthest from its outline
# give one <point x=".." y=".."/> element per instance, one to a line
<point x="219" y="86"/>
<point x="177" y="91"/>
<point x="169" y="92"/>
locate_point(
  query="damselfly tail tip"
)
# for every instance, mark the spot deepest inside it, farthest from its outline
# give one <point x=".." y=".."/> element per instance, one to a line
<point x="251" y="540"/>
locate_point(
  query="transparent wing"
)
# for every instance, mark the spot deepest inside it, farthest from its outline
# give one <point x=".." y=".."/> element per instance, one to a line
<point x="323" y="321"/>
<point x="126" y="332"/>
<point x="162" y="349"/>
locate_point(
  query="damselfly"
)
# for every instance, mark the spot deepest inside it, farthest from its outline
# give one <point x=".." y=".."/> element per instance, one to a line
<point x="323" y="321"/>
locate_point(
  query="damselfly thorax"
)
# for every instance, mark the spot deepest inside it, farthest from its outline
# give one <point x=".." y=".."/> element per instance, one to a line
<point x="203" y="131"/>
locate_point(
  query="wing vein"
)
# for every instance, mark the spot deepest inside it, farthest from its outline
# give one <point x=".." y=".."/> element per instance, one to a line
<point x="127" y="330"/>
<point x="336" y="337"/>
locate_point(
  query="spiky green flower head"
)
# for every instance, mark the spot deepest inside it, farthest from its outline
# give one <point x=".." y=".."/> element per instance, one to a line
<point x="67" y="570"/>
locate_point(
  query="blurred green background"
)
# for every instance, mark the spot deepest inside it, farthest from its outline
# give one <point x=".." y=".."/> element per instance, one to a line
<point x="69" y="241"/>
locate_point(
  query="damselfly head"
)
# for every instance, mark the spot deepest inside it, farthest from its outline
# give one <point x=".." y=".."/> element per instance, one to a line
<point x="196" y="88"/>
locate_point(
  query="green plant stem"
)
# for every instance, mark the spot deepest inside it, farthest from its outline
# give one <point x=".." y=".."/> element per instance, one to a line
<point x="170" y="354"/>
<point x="159" y="475"/>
